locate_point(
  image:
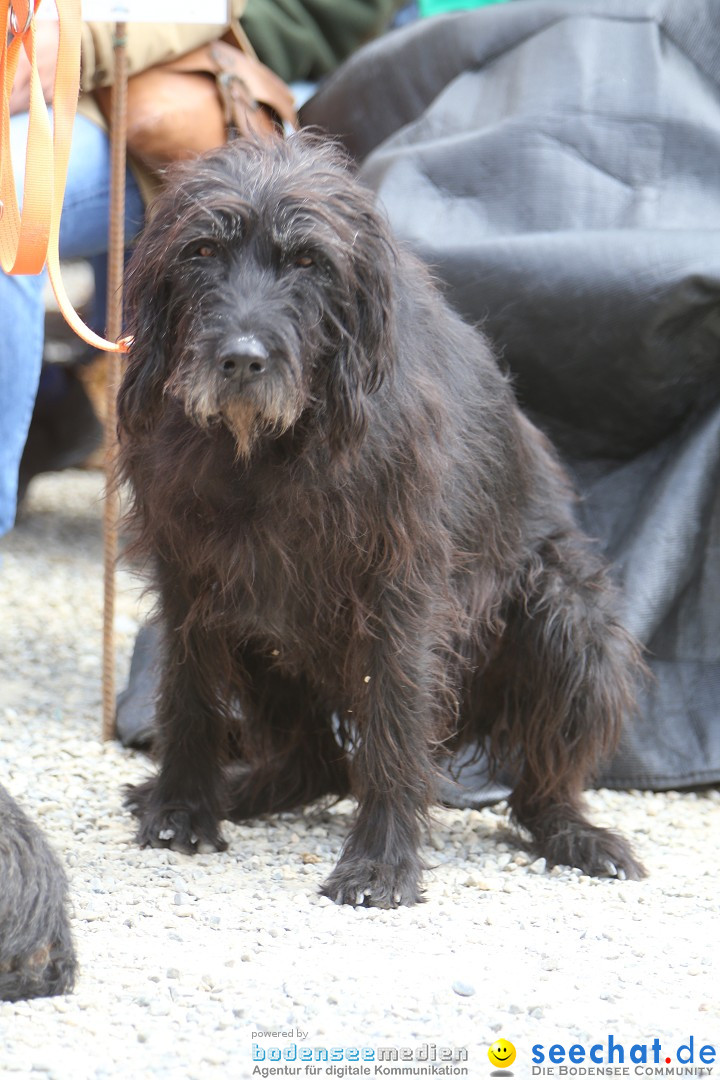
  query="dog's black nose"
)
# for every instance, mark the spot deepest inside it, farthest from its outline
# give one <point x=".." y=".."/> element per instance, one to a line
<point x="243" y="358"/>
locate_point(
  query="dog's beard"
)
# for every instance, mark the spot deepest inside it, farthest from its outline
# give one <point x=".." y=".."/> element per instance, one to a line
<point x="268" y="407"/>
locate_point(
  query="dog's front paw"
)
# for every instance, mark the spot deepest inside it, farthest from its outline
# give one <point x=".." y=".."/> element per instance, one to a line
<point x="597" y="852"/>
<point x="181" y="827"/>
<point x="364" y="882"/>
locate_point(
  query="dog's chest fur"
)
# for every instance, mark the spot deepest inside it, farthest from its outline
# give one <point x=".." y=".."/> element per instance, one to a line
<point x="274" y="557"/>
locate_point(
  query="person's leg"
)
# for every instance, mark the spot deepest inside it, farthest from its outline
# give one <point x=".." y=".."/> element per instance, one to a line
<point x="83" y="232"/>
<point x="21" y="344"/>
<point x="21" y="334"/>
<point x="86" y="209"/>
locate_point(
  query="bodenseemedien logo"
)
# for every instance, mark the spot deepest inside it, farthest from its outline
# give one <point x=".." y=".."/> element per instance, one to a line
<point x="343" y="1062"/>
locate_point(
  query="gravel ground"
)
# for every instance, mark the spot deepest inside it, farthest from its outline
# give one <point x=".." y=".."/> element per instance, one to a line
<point x="185" y="963"/>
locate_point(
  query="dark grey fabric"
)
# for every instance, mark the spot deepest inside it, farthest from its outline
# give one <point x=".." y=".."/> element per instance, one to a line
<point x="135" y="714"/>
<point x="558" y="163"/>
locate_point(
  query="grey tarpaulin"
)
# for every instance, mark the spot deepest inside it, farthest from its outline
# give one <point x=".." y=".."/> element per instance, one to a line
<point x="558" y="163"/>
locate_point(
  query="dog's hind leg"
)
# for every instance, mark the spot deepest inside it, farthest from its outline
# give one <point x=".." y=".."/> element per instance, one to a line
<point x="556" y="696"/>
<point x="290" y="755"/>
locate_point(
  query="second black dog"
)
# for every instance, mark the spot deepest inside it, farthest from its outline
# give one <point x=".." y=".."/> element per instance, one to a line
<point x="37" y="956"/>
<point x="364" y="553"/>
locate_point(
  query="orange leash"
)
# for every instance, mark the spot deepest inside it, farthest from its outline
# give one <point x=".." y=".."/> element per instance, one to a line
<point x="31" y="239"/>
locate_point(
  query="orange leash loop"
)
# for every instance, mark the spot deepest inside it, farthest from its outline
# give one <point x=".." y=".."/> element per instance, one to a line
<point x="23" y="240"/>
<point x="27" y="241"/>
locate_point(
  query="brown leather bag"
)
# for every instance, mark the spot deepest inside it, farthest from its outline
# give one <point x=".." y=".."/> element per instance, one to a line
<point x="199" y="101"/>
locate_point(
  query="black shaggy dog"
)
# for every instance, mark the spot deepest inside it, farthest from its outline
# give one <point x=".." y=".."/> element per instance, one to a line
<point x="37" y="957"/>
<point x="364" y="553"/>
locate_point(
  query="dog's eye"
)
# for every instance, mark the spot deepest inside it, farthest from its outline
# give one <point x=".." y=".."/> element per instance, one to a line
<point x="304" y="261"/>
<point x="207" y="251"/>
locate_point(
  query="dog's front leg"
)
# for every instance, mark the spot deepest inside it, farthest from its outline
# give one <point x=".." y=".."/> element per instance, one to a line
<point x="180" y="808"/>
<point x="395" y="706"/>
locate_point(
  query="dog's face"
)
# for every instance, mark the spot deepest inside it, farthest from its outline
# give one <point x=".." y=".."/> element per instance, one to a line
<point x="260" y="290"/>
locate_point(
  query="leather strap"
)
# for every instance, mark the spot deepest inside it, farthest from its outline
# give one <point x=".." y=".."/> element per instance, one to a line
<point x="30" y="239"/>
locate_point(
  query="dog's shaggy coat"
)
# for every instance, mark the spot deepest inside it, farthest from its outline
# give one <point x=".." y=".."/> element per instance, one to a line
<point x="37" y="956"/>
<point x="364" y="553"/>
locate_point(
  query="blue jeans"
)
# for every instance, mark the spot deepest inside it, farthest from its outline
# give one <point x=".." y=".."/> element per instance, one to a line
<point x="83" y="233"/>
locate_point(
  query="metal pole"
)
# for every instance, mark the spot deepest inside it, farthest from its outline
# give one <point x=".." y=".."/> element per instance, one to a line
<point x="116" y="252"/>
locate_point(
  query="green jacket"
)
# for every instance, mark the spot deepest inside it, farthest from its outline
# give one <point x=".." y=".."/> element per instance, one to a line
<point x="306" y="39"/>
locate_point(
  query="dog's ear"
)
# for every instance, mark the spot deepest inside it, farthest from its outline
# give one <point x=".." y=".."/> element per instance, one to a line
<point x="366" y="345"/>
<point x="147" y="301"/>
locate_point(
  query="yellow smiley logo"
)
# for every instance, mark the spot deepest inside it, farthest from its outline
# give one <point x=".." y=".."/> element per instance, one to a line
<point x="502" y="1053"/>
